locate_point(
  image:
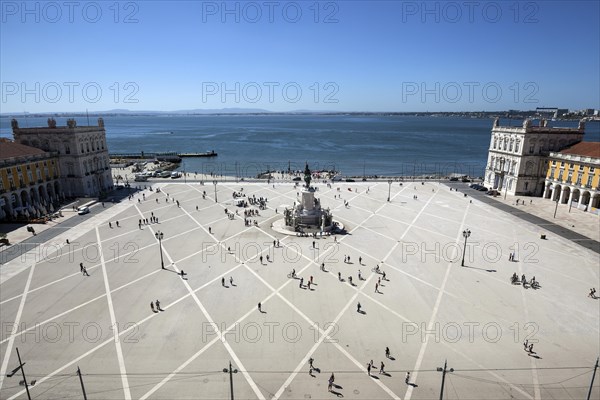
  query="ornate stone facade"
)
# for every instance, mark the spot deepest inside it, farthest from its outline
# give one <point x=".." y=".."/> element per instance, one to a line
<point x="518" y="156"/>
<point x="82" y="154"/>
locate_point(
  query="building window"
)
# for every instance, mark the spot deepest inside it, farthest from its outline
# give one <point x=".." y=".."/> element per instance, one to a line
<point x="531" y="148"/>
<point x="562" y="164"/>
<point x="552" y="171"/>
<point x="579" y="177"/>
<point x="495" y="143"/>
<point x="570" y="177"/>
<point x="526" y="185"/>
<point x="29" y="176"/>
<point x="510" y="147"/>
<point x="67" y="149"/>
<point x="517" y="145"/>
<point x="39" y="174"/>
<point x="87" y="147"/>
<point x="589" y="180"/>
<point x="592" y="170"/>
<point x="82" y="147"/>
<point x="504" y="145"/>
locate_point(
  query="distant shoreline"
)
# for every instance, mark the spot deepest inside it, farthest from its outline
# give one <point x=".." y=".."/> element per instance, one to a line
<point x="456" y="114"/>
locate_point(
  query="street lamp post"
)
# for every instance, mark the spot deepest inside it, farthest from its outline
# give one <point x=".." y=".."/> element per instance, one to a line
<point x="389" y="189"/>
<point x="466" y="233"/>
<point x="215" y="183"/>
<point x="20" y="367"/>
<point x="159" y="235"/>
<point x="231" y="372"/>
<point x="444" y="371"/>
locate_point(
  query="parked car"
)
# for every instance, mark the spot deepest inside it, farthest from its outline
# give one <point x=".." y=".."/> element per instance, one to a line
<point x="297" y="179"/>
<point x="492" y="192"/>
<point x="465" y="180"/>
<point x="475" y="186"/>
<point x="83" y="210"/>
<point x="453" y="179"/>
<point x="482" y="189"/>
<point x="175" y="175"/>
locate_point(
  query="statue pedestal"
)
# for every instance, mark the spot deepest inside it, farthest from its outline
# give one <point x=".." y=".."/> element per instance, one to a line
<point x="308" y="199"/>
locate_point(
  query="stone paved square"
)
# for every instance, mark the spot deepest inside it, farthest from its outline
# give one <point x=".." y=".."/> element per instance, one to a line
<point x="427" y="310"/>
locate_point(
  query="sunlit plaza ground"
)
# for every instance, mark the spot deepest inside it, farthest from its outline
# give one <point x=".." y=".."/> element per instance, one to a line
<point x="428" y="310"/>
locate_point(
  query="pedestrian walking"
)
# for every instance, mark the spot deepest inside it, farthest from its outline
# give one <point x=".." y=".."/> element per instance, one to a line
<point x="407" y="378"/>
<point x="308" y="285"/>
<point x="152" y="306"/>
<point x="231" y="280"/>
<point x="313" y="244"/>
<point x="358" y="306"/>
<point x="525" y="343"/>
<point x="301" y="283"/>
<point x="80" y="267"/>
<point x="369" y="369"/>
<point x="259" y="307"/>
<point x="223" y="281"/>
<point x="359" y="275"/>
<point x="157" y="305"/>
<point x="339" y="276"/>
<point x="117" y="224"/>
<point x="530" y="350"/>
<point x="311" y="279"/>
<point x="376" y="288"/>
<point x="387" y="352"/>
<point x="85" y="272"/>
<point x="110" y="225"/>
<point x="310" y="362"/>
<point x="381" y="371"/>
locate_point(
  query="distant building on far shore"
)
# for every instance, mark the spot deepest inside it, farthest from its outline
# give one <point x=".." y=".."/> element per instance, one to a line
<point x="573" y="176"/>
<point x="518" y="156"/>
<point x="82" y="154"/>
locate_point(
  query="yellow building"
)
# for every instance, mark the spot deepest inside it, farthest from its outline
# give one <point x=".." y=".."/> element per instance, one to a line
<point x="29" y="181"/>
<point x="573" y="176"/>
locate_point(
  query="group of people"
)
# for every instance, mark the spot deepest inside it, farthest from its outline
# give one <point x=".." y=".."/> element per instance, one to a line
<point x="514" y="279"/>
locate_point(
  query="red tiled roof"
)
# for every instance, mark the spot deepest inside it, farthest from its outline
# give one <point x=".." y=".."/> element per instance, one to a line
<point x="586" y="149"/>
<point x="10" y="149"/>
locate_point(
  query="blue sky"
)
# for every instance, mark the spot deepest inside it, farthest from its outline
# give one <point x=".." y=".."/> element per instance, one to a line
<point x="285" y="55"/>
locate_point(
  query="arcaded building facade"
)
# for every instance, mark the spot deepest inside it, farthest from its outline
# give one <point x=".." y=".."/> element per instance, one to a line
<point x="518" y="155"/>
<point x="82" y="154"/>
<point x="29" y="182"/>
<point x="573" y="176"/>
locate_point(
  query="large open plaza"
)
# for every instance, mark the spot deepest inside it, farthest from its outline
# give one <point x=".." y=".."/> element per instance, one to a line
<point x="236" y="301"/>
